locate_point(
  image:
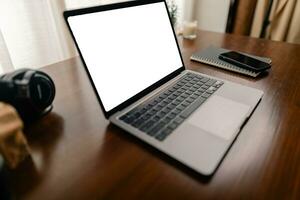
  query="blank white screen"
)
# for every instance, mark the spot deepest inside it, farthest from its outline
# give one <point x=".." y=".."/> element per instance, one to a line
<point x="126" y="50"/>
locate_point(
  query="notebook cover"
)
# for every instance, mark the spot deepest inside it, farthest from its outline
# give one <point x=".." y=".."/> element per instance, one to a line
<point x="211" y="54"/>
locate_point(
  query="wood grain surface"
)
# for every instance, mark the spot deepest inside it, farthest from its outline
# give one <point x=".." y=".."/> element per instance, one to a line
<point x="77" y="154"/>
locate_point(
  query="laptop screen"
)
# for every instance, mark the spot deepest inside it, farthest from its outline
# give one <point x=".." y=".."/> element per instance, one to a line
<point x="126" y="50"/>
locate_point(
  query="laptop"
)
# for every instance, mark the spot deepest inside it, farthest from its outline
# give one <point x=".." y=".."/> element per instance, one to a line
<point x="130" y="53"/>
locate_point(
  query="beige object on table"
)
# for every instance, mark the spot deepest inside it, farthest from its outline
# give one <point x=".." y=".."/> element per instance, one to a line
<point x="189" y="30"/>
<point x="13" y="144"/>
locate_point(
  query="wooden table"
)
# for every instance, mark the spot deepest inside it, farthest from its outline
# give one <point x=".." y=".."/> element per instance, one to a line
<point x="77" y="154"/>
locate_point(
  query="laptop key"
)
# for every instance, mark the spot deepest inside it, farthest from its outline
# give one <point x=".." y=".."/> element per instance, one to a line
<point x="185" y="104"/>
<point x="189" y="110"/>
<point x="184" y="82"/>
<point x="185" y="87"/>
<point x="176" y="102"/>
<point x="171" y="115"/>
<point x="159" y="99"/>
<point x="204" y="79"/>
<point x="153" y="103"/>
<point x="201" y="90"/>
<point x="169" y="100"/>
<point x="178" y="120"/>
<point x="189" y="92"/>
<point x="176" y="87"/>
<point x="192" y="89"/>
<point x="193" y="82"/>
<point x="148" y="106"/>
<point x="163" y="104"/>
<point x="218" y="84"/>
<point x="190" y="100"/>
<point x="191" y="75"/>
<point x="176" y="111"/>
<point x="172" y="90"/>
<point x="210" y="82"/>
<point x="146" y="116"/>
<point x="161" y="114"/>
<point x="123" y="117"/>
<point x="187" y="78"/>
<point x="172" y="97"/>
<point x="171" y="106"/>
<point x="205" y="87"/>
<point x="166" y="120"/>
<point x="168" y="92"/>
<point x="136" y="109"/>
<point x="129" y="120"/>
<point x="138" y="123"/>
<point x="147" y="126"/>
<point x="180" y="99"/>
<point x="173" y="125"/>
<point x="180" y="107"/>
<point x="177" y="93"/>
<point x="198" y="93"/>
<point x="194" y="96"/>
<point x="155" y="109"/>
<point x="184" y="95"/>
<point x="210" y="90"/>
<point x="197" y="78"/>
<point x="196" y="86"/>
<point x="181" y="90"/>
<point x="163" y="134"/>
<point x="163" y="96"/>
<point x="159" y="106"/>
<point x="155" y="129"/>
<point x="143" y="110"/>
<point x="166" y="110"/>
<point x="156" y="118"/>
<point x="205" y="95"/>
<point x="189" y="84"/>
<point x="152" y="112"/>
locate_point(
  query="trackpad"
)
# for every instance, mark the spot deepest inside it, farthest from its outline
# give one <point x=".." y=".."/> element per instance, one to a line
<point x="220" y="116"/>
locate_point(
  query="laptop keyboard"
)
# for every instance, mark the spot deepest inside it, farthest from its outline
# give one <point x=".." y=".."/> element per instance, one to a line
<point x="159" y="116"/>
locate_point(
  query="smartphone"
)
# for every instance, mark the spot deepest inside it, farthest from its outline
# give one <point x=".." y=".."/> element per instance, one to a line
<point x="244" y="61"/>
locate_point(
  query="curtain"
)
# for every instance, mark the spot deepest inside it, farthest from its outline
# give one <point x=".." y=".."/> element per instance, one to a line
<point x="284" y="20"/>
<point x="33" y="33"/>
<point x="244" y="16"/>
<point x="5" y="60"/>
<point x="189" y="10"/>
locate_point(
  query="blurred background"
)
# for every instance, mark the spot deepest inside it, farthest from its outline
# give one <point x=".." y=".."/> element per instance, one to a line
<point x="33" y="33"/>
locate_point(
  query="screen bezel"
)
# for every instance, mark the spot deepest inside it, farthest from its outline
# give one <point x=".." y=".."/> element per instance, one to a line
<point x="121" y="5"/>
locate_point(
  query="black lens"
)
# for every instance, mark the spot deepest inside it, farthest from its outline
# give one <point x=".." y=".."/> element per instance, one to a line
<point x="41" y="92"/>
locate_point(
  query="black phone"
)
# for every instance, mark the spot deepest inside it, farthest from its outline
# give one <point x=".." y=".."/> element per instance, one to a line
<point x="244" y="61"/>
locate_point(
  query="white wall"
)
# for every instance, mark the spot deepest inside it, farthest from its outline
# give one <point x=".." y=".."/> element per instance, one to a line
<point x="212" y="14"/>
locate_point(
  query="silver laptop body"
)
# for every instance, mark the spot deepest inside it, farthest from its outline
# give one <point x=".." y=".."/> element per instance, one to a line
<point x="205" y="135"/>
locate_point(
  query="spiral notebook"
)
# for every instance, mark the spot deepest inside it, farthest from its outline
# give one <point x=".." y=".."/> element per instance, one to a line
<point x="211" y="54"/>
